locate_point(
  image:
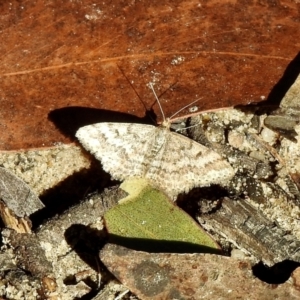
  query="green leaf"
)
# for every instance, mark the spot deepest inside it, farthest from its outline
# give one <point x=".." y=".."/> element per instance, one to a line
<point x="147" y="220"/>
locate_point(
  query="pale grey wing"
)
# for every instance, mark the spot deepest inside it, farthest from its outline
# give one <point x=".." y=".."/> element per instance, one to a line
<point x="183" y="164"/>
<point x="121" y="147"/>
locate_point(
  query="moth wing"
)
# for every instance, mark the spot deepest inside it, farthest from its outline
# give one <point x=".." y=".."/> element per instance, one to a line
<point x="121" y="147"/>
<point x="183" y="164"/>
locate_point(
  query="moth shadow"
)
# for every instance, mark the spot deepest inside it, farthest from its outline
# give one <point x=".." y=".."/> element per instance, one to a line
<point x="69" y="119"/>
<point x="71" y="191"/>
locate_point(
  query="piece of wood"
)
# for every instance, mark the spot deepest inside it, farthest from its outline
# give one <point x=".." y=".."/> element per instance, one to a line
<point x="17" y="202"/>
<point x="65" y="248"/>
<point x="246" y="227"/>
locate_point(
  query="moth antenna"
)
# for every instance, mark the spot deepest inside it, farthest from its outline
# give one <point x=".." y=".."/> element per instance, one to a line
<point x="181" y="109"/>
<point x="149" y="113"/>
<point x="160" y="107"/>
<point x="179" y="129"/>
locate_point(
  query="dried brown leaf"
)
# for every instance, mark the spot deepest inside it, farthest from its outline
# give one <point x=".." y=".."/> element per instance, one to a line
<point x="60" y="54"/>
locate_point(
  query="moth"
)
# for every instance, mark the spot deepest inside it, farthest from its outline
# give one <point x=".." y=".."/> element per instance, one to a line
<point x="169" y="160"/>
